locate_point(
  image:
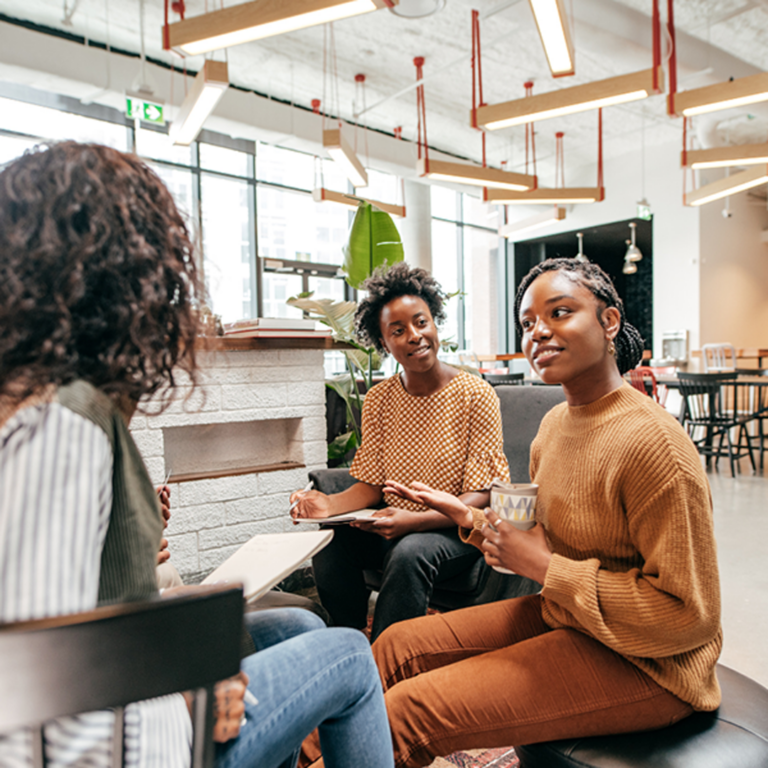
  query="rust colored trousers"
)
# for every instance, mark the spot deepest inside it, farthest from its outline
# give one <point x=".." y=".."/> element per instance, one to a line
<point x="496" y="675"/>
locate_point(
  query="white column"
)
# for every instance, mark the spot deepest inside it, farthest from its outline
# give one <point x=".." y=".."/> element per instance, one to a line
<point x="416" y="228"/>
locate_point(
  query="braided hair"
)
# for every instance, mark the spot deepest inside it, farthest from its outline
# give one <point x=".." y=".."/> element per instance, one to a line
<point x="388" y="283"/>
<point x="628" y="341"/>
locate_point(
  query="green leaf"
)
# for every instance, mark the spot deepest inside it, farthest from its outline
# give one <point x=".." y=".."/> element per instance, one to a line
<point x="340" y="446"/>
<point x="373" y="241"/>
<point x="338" y="315"/>
<point x="359" y="358"/>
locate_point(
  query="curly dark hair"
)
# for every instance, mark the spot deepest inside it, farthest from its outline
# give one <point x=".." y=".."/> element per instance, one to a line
<point x="388" y="283"/>
<point x="97" y="279"/>
<point x="628" y="341"/>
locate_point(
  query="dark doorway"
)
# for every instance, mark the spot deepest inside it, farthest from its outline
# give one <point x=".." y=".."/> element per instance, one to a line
<point x="605" y="245"/>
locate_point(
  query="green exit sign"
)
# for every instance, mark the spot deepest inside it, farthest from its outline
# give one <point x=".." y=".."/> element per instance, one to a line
<point x="644" y="211"/>
<point x="149" y="112"/>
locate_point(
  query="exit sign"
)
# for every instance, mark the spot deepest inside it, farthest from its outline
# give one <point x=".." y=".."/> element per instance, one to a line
<point x="148" y="111"/>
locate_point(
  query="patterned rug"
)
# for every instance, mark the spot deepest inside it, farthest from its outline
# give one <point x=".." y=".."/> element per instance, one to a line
<point x="479" y="758"/>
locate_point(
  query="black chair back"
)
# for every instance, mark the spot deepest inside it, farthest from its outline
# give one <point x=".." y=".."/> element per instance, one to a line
<point x="113" y="656"/>
<point x="705" y="395"/>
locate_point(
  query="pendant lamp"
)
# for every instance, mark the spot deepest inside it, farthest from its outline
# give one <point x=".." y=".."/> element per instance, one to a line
<point x="633" y="252"/>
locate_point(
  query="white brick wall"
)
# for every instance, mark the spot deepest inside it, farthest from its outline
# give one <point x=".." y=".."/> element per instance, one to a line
<point x="211" y="518"/>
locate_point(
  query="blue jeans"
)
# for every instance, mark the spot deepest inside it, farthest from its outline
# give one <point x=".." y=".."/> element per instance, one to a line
<point x="306" y="676"/>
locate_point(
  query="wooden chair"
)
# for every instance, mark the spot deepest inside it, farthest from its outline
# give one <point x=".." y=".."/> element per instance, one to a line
<point x="718" y="357"/>
<point x="113" y="656"/>
<point x="494" y="379"/>
<point x="712" y="410"/>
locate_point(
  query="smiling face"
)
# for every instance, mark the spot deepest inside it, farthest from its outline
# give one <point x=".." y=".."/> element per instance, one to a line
<point x="566" y="333"/>
<point x="409" y="334"/>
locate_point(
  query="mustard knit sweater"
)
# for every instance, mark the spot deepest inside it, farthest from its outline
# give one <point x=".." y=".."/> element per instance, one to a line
<point x="628" y="513"/>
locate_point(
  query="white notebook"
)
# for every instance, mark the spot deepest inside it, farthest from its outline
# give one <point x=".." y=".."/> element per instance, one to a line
<point x="267" y="559"/>
<point x="360" y="516"/>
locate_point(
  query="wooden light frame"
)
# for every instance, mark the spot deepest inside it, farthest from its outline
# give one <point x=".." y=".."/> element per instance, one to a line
<point x="322" y="195"/>
<point x="731" y="185"/>
<point x="338" y="148"/>
<point x="208" y="87"/>
<point x="474" y="175"/>
<point x="580" y="98"/>
<point x="543" y="196"/>
<point x="532" y="222"/>
<point x="722" y="157"/>
<point x="711" y="98"/>
<point x="258" y="19"/>
<point x="555" y="33"/>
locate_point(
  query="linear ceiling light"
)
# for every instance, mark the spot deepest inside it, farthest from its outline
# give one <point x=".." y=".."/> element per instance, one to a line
<point x="532" y="222"/>
<point x="257" y="19"/>
<point x="711" y="98"/>
<point x="555" y="35"/>
<point x="208" y="87"/>
<point x="567" y="101"/>
<point x="542" y="196"/>
<point x="340" y="151"/>
<point x="721" y="157"/>
<point x="474" y="175"/>
<point x="730" y="185"/>
<point x="323" y="195"/>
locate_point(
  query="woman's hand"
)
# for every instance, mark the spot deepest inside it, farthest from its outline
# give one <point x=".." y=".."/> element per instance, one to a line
<point x="311" y="504"/>
<point x="524" y="552"/>
<point x="393" y="522"/>
<point x="163" y="555"/>
<point x="228" y="707"/>
<point x="445" y="503"/>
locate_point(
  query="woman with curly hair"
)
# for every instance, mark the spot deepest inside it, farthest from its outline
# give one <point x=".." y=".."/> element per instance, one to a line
<point x="431" y="423"/>
<point x="626" y="632"/>
<point x="97" y="293"/>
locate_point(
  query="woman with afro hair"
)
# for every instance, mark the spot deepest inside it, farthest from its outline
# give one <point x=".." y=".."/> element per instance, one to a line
<point x="430" y="423"/>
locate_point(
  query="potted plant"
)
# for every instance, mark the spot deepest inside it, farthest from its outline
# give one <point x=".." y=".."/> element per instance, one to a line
<point x="373" y="242"/>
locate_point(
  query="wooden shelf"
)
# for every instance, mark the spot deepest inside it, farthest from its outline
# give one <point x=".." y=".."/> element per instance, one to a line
<point x="234" y="471"/>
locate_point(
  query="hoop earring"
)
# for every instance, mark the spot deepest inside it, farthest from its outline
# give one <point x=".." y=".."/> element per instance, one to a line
<point x="611" y="348"/>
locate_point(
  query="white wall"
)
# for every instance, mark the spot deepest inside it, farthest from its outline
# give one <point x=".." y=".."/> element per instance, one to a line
<point x="734" y="273"/>
<point x="676" y="299"/>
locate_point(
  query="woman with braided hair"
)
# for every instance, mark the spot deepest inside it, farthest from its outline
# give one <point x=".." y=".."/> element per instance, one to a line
<point x="625" y="633"/>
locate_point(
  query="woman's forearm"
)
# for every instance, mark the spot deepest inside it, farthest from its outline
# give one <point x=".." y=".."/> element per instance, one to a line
<point x="479" y="499"/>
<point x="359" y="496"/>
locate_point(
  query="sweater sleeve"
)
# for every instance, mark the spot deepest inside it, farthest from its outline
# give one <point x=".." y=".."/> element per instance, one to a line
<point x="676" y="588"/>
<point x="485" y="454"/>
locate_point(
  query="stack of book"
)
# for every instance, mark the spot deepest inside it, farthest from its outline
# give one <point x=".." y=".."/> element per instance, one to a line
<point x="275" y="328"/>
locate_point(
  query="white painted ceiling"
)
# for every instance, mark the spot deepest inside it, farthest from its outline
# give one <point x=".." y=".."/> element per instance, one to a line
<point x="717" y="39"/>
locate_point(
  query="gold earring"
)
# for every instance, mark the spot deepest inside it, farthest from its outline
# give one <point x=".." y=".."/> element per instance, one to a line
<point x="611" y="348"/>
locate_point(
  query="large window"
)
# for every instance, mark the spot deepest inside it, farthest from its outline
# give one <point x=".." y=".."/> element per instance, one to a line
<point x="465" y="248"/>
<point x="260" y="235"/>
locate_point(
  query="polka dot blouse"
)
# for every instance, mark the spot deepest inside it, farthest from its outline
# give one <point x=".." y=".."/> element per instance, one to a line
<point x="450" y="440"/>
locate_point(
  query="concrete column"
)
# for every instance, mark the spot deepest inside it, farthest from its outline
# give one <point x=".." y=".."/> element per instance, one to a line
<point x="416" y="228"/>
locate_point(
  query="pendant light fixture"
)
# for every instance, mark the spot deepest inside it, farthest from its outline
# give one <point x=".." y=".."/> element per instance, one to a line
<point x="738" y="182"/>
<point x="208" y="87"/>
<point x="341" y="153"/>
<point x="630" y="267"/>
<point x="580" y="255"/>
<point x="633" y="252"/>
<point x="552" y="216"/>
<point x="258" y="19"/>
<point x="712" y="98"/>
<point x="568" y="101"/>
<point x="555" y="35"/>
<point x="722" y="157"/>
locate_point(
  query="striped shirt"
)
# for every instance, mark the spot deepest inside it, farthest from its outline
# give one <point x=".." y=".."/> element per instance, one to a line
<point x="55" y="502"/>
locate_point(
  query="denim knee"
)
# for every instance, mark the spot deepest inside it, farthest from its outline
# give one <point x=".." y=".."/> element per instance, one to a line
<point x="294" y="621"/>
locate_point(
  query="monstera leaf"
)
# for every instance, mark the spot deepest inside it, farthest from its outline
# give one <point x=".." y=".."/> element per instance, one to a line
<point x="338" y="315"/>
<point x="373" y="241"/>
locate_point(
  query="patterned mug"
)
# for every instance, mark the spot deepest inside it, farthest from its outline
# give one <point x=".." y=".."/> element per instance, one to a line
<point x="515" y="503"/>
